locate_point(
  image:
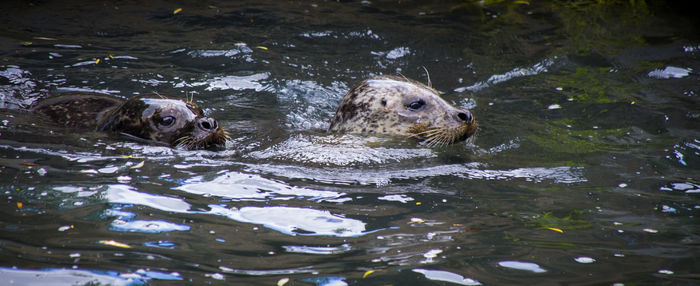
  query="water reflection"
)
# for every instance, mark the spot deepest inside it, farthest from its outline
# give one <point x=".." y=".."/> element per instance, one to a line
<point x="239" y="186"/>
<point x="123" y="194"/>
<point x="15" y="276"/>
<point x="254" y="272"/>
<point x="239" y="49"/>
<point x="147" y="226"/>
<point x="669" y="72"/>
<point x="318" y="249"/>
<point x="308" y="105"/>
<point x="382" y="177"/>
<point x="336" y="150"/>
<point x="519" y="265"/>
<point x="446" y="276"/>
<point x="288" y="220"/>
<point x="538" y="68"/>
<point x="17" y="88"/>
<point x="326" y="281"/>
<point x="294" y="221"/>
<point x="231" y="82"/>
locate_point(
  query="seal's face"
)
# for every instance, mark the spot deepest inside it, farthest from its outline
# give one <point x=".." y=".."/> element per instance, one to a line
<point x="172" y="121"/>
<point x="398" y="106"/>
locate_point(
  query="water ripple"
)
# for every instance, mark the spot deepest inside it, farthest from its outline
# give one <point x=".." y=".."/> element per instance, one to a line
<point x="538" y="68"/>
<point x="440" y="275"/>
<point x="338" y="150"/>
<point x="240" y="186"/>
<point x="564" y="174"/>
<point x="294" y="221"/>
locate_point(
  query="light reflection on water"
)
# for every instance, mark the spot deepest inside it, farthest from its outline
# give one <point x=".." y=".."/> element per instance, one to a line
<point x="566" y="175"/>
<point x="288" y="220"/>
<point x="239" y="186"/>
<point x="294" y="221"/>
<point x="446" y="276"/>
<point x="72" y="277"/>
<point x="336" y="150"/>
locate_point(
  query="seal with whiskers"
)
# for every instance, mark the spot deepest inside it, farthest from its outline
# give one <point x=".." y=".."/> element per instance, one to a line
<point x="393" y="105"/>
<point x="155" y="117"/>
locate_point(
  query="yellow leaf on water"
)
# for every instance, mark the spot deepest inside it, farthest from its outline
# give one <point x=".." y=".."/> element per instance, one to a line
<point x="282" y="281"/>
<point x="19" y="205"/>
<point x="261" y="47"/>
<point x="416" y="220"/>
<point x="26" y="43"/>
<point x="111" y="57"/>
<point x="555" y="229"/>
<point x="418" y="203"/>
<point x="114" y="243"/>
<point x="97" y="61"/>
<point x="139" y="165"/>
<point x="178" y="10"/>
<point x="522" y="2"/>
<point x="131" y="157"/>
<point x="367" y="273"/>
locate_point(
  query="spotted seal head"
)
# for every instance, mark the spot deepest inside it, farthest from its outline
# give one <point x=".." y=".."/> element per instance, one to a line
<point x="399" y="106"/>
<point x="178" y="123"/>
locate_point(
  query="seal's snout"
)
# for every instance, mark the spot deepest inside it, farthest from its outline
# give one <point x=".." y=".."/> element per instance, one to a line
<point x="465" y="116"/>
<point x="207" y="124"/>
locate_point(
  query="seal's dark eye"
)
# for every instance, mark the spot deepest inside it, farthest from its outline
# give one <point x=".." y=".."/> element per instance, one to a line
<point x="167" y="121"/>
<point x="416" y="105"/>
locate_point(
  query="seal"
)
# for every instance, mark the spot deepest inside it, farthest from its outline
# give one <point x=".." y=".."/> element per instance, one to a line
<point x="181" y="124"/>
<point x="398" y="106"/>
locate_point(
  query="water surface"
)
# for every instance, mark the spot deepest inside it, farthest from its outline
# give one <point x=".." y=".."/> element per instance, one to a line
<point x="584" y="170"/>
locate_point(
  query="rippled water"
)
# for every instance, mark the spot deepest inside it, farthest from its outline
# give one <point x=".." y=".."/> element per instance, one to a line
<point x="584" y="170"/>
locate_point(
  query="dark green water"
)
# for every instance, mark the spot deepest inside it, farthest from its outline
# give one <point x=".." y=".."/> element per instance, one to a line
<point x="584" y="170"/>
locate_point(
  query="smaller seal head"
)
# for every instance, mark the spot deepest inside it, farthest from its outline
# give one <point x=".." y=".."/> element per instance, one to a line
<point x="172" y="121"/>
<point x="399" y="106"/>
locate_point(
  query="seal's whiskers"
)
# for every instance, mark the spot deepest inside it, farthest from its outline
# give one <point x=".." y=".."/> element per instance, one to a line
<point x="436" y="137"/>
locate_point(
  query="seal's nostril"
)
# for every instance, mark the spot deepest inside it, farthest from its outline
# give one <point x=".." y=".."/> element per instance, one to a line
<point x="207" y="123"/>
<point x="465" y="116"/>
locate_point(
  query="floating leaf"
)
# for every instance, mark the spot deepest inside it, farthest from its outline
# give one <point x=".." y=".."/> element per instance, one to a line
<point x="114" y="243"/>
<point x="555" y="229"/>
<point x="19" y="205"/>
<point x="139" y="165"/>
<point x="97" y="61"/>
<point x="416" y="220"/>
<point x="367" y="273"/>
<point x="111" y="57"/>
<point x="261" y="47"/>
<point x="282" y="281"/>
<point x="178" y="10"/>
<point x="131" y="157"/>
<point x="418" y="203"/>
